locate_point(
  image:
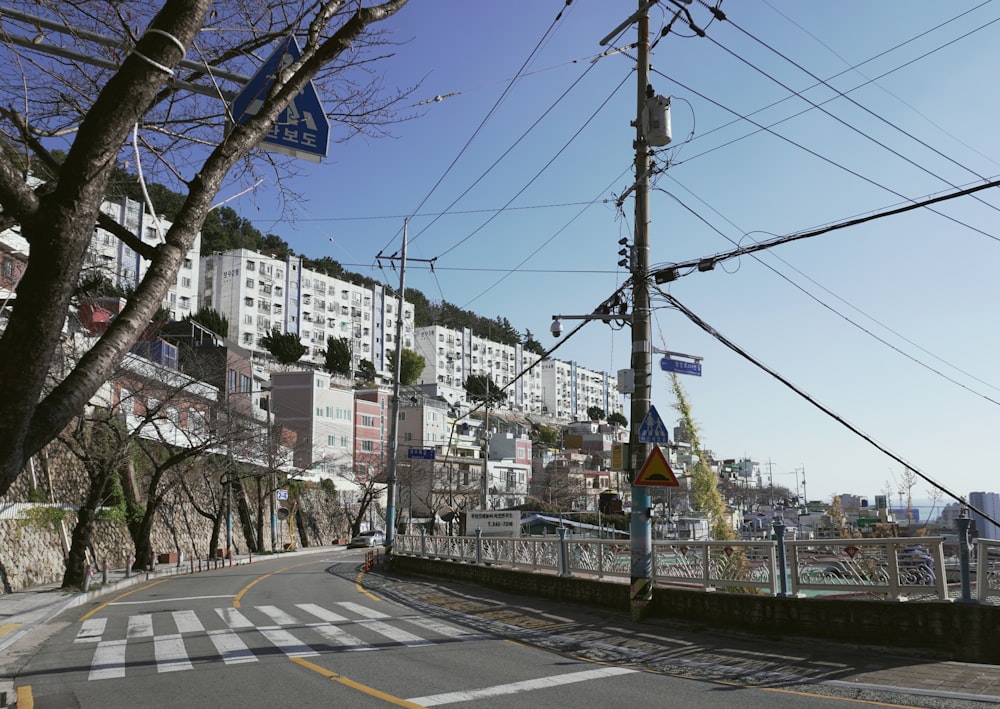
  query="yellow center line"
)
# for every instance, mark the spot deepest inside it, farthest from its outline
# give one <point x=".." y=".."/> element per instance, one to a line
<point x="361" y="589"/>
<point x="25" y="700"/>
<point x="116" y="598"/>
<point x="7" y="627"/>
<point x="363" y="688"/>
<point x="239" y="596"/>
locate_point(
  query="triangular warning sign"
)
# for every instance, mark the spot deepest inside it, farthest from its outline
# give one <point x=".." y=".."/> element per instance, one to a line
<point x="656" y="472"/>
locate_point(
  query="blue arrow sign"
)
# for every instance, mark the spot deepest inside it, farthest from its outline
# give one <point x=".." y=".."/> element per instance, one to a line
<point x="680" y="366"/>
<point x="301" y="130"/>
<point x="420" y="453"/>
<point x="652" y="429"/>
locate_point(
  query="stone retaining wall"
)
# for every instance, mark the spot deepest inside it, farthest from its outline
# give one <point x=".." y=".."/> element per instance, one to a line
<point x="32" y="551"/>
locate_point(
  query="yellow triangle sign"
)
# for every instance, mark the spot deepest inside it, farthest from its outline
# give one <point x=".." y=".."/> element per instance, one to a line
<point x="655" y="471"/>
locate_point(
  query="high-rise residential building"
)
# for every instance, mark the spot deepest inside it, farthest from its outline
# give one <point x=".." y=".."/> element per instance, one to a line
<point x="568" y="390"/>
<point x="988" y="502"/>
<point x="121" y="265"/>
<point x="258" y="293"/>
<point x="454" y="355"/>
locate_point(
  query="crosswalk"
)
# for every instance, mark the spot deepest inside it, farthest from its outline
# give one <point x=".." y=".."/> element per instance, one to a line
<point x="241" y="635"/>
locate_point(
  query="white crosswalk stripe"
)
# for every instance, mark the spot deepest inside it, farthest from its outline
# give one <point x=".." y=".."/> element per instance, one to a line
<point x="170" y="653"/>
<point x="177" y="635"/>
<point x="233" y="650"/>
<point x="140" y="626"/>
<point x="187" y="622"/>
<point x="91" y="630"/>
<point x="277" y="615"/>
<point x="109" y="660"/>
<point x="361" y="610"/>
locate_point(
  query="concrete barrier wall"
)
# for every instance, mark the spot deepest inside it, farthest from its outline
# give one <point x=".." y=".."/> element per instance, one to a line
<point x="964" y="632"/>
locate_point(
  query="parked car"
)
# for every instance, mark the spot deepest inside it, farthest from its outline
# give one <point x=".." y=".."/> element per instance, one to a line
<point x="371" y="538"/>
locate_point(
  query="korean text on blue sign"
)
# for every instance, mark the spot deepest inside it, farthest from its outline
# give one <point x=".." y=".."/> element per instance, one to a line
<point x="680" y="366"/>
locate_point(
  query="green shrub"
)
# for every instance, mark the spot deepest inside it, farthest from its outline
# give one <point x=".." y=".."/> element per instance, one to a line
<point x="43" y="517"/>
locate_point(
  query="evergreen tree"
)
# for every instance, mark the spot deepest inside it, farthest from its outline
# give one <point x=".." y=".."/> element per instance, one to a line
<point x="412" y="366"/>
<point x="481" y="387"/>
<point x="706" y="492"/>
<point x="338" y="356"/>
<point x="212" y="319"/>
<point x="618" y="418"/>
<point x="285" y="346"/>
<point x="366" y="371"/>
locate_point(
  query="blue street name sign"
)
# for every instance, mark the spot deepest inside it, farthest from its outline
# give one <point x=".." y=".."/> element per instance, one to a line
<point x="420" y="453"/>
<point x="680" y="366"/>
<point x="652" y="429"/>
<point x="302" y="129"/>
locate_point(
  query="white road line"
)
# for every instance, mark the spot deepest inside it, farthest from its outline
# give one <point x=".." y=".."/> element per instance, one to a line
<point x="398" y="635"/>
<point x="187" y="622"/>
<point x="321" y="612"/>
<point x="171" y="655"/>
<point x="233" y="618"/>
<point x="334" y="634"/>
<point x="140" y="626"/>
<point x="230" y="647"/>
<point x="167" y="600"/>
<point x="287" y="643"/>
<point x="362" y="610"/>
<point x="515" y="687"/>
<point x="109" y="660"/>
<point x="91" y="631"/>
<point x="277" y="615"/>
<point x="434" y="626"/>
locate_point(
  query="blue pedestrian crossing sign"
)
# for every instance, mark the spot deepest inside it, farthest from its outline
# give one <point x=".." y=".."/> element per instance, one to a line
<point x="302" y="129"/>
<point x="652" y="429"/>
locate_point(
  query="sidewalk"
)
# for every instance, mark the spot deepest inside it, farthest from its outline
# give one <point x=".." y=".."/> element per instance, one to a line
<point x="698" y="652"/>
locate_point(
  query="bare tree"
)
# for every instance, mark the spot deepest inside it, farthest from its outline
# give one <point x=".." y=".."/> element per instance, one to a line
<point x="137" y="99"/>
<point x="100" y="443"/>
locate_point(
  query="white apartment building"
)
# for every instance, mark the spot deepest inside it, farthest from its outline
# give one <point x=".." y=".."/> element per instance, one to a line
<point x="257" y="292"/>
<point x="125" y="268"/>
<point x="568" y="390"/>
<point x="453" y="355"/>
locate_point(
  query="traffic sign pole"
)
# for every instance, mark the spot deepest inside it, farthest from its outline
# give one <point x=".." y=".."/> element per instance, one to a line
<point x="641" y="541"/>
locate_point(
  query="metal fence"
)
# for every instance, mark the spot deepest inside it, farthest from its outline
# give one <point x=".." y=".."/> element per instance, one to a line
<point x="910" y="568"/>
<point x="988" y="570"/>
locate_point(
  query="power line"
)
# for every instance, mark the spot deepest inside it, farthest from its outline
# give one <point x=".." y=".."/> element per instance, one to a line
<point x="826" y="410"/>
<point x="672" y="272"/>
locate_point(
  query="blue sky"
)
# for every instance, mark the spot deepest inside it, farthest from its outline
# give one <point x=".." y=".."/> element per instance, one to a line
<point x="511" y="185"/>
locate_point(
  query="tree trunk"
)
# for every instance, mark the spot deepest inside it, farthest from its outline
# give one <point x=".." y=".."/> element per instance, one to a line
<point x="76" y="560"/>
<point x="213" y="542"/>
<point x="141" y="532"/>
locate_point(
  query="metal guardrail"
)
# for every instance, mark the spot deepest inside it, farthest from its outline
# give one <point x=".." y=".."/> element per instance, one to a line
<point x="988" y="570"/>
<point x="911" y="568"/>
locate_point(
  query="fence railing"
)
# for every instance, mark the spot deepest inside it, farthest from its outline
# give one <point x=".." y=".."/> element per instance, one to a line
<point x="987" y="570"/>
<point x="912" y="568"/>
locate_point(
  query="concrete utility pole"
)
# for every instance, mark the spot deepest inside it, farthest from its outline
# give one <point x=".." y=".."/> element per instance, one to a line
<point x="641" y="591"/>
<point x="390" y="505"/>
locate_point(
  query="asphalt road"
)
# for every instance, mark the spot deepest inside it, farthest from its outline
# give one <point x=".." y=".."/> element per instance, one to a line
<point x="317" y="632"/>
